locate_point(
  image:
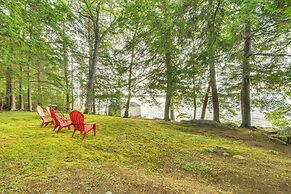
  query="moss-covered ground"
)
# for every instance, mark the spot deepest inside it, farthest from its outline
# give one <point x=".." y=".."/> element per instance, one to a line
<point x="138" y="156"/>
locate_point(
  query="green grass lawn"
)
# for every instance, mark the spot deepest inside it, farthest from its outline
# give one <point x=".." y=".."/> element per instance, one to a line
<point x="133" y="156"/>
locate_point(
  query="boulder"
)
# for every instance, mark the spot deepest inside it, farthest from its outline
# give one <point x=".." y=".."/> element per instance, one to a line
<point x="219" y="151"/>
<point x="202" y="122"/>
<point x="240" y="157"/>
<point x="278" y="140"/>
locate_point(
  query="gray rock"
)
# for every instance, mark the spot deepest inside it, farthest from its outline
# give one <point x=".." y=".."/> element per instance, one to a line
<point x="202" y="122"/>
<point x="219" y="150"/>
<point x="273" y="138"/>
<point x="225" y="154"/>
<point x="240" y="157"/>
<point x="274" y="152"/>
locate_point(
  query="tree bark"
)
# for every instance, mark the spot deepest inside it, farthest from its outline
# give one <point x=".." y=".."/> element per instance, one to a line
<point x="82" y="95"/>
<point x="167" y="108"/>
<point x="172" y="111"/>
<point x="29" y="102"/>
<point x="212" y="71"/>
<point x="205" y="102"/>
<point x="66" y="73"/>
<point x="11" y="85"/>
<point x="214" y="92"/>
<point x="13" y="101"/>
<point x="94" y="101"/>
<point x="106" y="107"/>
<point x="99" y="106"/>
<point x="126" y="112"/>
<point x="1" y="101"/>
<point x="8" y="88"/>
<point x="129" y="84"/>
<point x="194" y="98"/>
<point x="29" y="62"/>
<point x="92" y="70"/>
<point x="21" y="104"/>
<point x="211" y="60"/>
<point x="94" y="106"/>
<point x="39" y="93"/>
<point x="168" y="87"/>
<point x="72" y="87"/>
<point x="245" y="90"/>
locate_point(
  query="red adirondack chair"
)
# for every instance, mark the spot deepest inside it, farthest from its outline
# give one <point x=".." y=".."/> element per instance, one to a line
<point x="59" y="116"/>
<point x="58" y="122"/>
<point x="44" y="118"/>
<point x="77" y="119"/>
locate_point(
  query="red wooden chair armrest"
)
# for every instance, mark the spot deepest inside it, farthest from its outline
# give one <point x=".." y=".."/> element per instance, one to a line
<point x="63" y="118"/>
<point x="45" y="116"/>
<point x="93" y="123"/>
<point x="59" y="115"/>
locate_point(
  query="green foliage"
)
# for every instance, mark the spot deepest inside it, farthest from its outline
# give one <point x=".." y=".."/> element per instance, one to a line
<point x="47" y="46"/>
<point x="281" y="116"/>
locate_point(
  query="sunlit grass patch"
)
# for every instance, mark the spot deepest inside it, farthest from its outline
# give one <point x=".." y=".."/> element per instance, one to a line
<point x="31" y="156"/>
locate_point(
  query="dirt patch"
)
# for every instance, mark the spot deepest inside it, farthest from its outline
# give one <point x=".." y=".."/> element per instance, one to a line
<point x="117" y="180"/>
<point x="252" y="138"/>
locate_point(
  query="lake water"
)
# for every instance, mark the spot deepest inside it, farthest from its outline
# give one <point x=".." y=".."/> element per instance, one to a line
<point x="152" y="110"/>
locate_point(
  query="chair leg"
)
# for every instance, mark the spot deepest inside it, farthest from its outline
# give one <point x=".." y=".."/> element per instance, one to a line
<point x="59" y="129"/>
<point x="41" y="124"/>
<point x="94" y="128"/>
<point x="46" y="124"/>
<point x="73" y="133"/>
<point x="55" y="127"/>
<point x="84" y="135"/>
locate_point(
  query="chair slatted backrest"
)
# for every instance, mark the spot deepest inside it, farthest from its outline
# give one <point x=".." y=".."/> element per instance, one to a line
<point x="54" y="116"/>
<point x="41" y="113"/>
<point x="48" y="110"/>
<point x="77" y="119"/>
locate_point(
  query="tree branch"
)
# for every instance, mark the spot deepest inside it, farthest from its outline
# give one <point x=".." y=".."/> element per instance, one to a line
<point x="271" y="55"/>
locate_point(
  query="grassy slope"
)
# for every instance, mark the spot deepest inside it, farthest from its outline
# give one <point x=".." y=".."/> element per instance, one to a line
<point x="132" y="156"/>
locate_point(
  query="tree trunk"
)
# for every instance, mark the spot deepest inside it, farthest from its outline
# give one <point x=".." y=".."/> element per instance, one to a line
<point x="39" y="93"/>
<point x="194" y="98"/>
<point x="126" y="112"/>
<point x="8" y="88"/>
<point x="99" y="106"/>
<point x="172" y="111"/>
<point x="212" y="37"/>
<point x="72" y="87"/>
<point x="212" y="71"/>
<point x="21" y="104"/>
<point x="245" y="90"/>
<point x="67" y="88"/>
<point x="129" y="84"/>
<point x="1" y="101"/>
<point x="94" y="106"/>
<point x="66" y="69"/>
<point x="10" y="96"/>
<point x="214" y="92"/>
<point x="13" y="102"/>
<point x="82" y="96"/>
<point x="106" y="107"/>
<point x="29" y="102"/>
<point x="205" y="102"/>
<point x="29" y="63"/>
<point x="92" y="71"/>
<point x="94" y="101"/>
<point x="168" y="87"/>
<point x="167" y="108"/>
